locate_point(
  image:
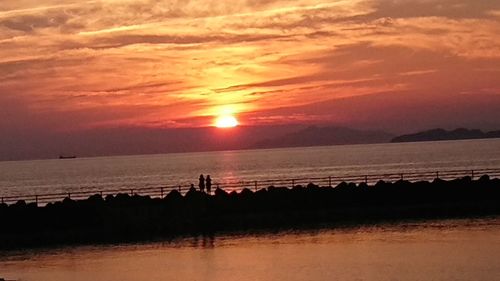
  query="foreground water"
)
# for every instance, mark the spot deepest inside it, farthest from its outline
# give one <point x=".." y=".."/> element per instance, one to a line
<point x="435" y="250"/>
<point x="55" y="176"/>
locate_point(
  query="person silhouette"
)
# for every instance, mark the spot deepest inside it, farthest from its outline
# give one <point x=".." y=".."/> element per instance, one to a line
<point x="201" y="183"/>
<point x="209" y="184"/>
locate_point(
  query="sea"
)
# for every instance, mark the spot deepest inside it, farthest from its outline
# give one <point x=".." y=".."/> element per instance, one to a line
<point x="18" y="178"/>
<point x="461" y="249"/>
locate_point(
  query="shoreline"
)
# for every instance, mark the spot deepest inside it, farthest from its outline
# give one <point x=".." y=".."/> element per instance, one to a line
<point x="127" y="219"/>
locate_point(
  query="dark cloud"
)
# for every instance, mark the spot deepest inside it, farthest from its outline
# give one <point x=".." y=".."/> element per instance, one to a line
<point x="117" y="41"/>
<point x="270" y="83"/>
<point x="455" y="9"/>
<point x="29" y="23"/>
<point x="142" y="87"/>
<point x="39" y="68"/>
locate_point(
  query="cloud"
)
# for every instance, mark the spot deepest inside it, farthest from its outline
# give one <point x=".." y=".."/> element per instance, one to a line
<point x="188" y="60"/>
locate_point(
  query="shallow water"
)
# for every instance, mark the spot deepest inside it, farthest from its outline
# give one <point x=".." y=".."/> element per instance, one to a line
<point x="60" y="176"/>
<point x="435" y="250"/>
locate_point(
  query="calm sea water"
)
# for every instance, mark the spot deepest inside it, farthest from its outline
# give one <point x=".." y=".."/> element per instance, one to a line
<point x="436" y="250"/>
<point x="69" y="175"/>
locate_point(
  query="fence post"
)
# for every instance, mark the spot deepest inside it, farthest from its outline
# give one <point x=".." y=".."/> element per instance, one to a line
<point x="69" y="195"/>
<point x="100" y="192"/>
<point x="131" y="192"/>
<point x="437" y="174"/>
<point x="401" y="176"/>
<point x="366" y="179"/>
<point x="255" y="183"/>
<point x="329" y="181"/>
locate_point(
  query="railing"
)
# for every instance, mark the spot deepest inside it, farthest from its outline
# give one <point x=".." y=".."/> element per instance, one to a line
<point x="331" y="181"/>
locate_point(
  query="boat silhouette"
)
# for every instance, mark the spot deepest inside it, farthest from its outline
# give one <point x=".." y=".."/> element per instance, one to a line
<point x="67" y="156"/>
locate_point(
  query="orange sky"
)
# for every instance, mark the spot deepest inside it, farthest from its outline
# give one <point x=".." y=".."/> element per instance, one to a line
<point x="68" y="64"/>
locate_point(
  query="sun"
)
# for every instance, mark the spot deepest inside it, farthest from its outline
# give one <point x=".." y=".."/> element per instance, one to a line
<point x="226" y="121"/>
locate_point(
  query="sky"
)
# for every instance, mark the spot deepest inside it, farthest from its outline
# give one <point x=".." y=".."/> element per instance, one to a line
<point x="394" y="65"/>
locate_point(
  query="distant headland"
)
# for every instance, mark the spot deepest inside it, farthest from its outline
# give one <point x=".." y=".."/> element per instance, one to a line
<point x="441" y="135"/>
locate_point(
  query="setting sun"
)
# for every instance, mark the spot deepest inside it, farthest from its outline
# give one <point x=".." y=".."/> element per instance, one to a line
<point x="226" y="121"/>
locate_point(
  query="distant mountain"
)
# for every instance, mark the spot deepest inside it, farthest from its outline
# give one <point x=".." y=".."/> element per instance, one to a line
<point x="441" y="134"/>
<point x="331" y="135"/>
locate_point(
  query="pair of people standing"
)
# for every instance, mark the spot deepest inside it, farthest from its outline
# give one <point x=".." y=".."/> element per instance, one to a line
<point x="205" y="183"/>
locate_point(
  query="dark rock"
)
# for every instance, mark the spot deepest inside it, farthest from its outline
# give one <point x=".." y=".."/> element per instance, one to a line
<point x="220" y="192"/>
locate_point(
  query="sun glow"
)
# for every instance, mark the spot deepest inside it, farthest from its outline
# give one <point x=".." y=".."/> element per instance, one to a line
<point x="226" y="121"/>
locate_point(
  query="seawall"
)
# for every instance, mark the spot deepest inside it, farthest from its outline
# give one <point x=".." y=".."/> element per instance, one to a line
<point x="125" y="218"/>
